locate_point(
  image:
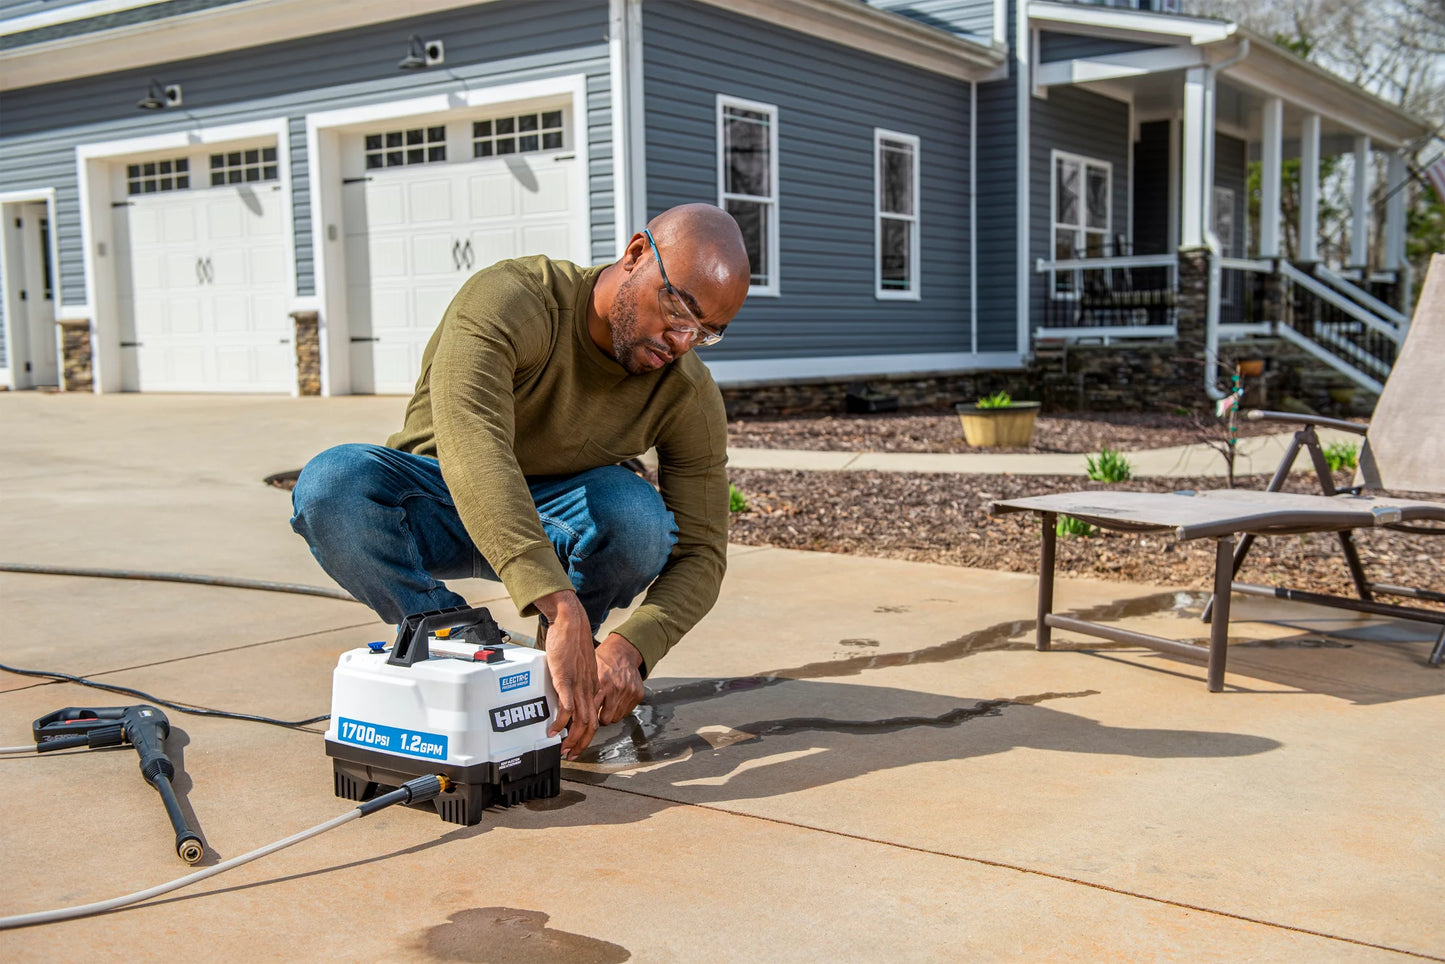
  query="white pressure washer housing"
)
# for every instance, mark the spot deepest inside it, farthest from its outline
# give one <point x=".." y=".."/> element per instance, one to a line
<point x="450" y="697"/>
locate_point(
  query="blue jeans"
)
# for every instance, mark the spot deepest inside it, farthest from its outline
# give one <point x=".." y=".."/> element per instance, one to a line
<point x="382" y="524"/>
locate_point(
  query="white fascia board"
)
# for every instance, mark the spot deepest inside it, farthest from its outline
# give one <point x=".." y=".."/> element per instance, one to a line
<point x="889" y="35"/>
<point x="204" y="32"/>
<point x="1273" y="72"/>
<point x="761" y="371"/>
<point x="1129" y="24"/>
<point x="1115" y="66"/>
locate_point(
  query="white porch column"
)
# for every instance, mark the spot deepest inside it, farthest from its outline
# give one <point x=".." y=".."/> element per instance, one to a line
<point x="1271" y="156"/>
<point x="1309" y="179"/>
<point x="1395" y="179"/>
<point x="1198" y="160"/>
<point x="1360" y="223"/>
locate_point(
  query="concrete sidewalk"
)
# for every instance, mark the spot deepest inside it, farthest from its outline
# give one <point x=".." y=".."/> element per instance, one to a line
<point x="849" y="759"/>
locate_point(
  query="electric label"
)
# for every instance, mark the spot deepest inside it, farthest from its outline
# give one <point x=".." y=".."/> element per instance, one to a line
<point x="390" y="738"/>
<point x="516" y="681"/>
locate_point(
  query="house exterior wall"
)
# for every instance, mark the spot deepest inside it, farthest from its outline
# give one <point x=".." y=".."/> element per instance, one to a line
<point x="829" y="100"/>
<point x="1089" y="125"/>
<point x="489" y="44"/>
<point x="956" y="16"/>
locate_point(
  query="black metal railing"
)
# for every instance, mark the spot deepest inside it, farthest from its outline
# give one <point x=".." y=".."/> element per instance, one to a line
<point x="1110" y="292"/>
<point x="1345" y="330"/>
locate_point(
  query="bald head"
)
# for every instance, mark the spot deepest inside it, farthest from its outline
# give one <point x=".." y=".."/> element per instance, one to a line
<point x="705" y="244"/>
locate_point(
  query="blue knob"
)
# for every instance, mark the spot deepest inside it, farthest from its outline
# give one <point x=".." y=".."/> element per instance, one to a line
<point x="376" y="647"/>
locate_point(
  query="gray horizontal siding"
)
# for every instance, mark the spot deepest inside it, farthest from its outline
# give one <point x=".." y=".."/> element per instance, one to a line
<point x="1063" y="46"/>
<point x="1082" y="123"/>
<point x="121" y="18"/>
<point x="829" y="101"/>
<point x="494" y="43"/>
<point x="956" y="16"/>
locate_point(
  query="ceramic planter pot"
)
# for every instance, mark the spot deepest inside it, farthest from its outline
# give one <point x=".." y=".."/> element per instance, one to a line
<point x="1011" y="426"/>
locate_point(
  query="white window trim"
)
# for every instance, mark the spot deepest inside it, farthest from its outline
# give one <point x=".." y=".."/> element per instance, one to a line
<point x="915" y="245"/>
<point x="1054" y="157"/>
<point x="773" y="288"/>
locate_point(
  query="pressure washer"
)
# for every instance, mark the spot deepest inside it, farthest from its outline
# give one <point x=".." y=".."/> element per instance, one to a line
<point x="453" y="696"/>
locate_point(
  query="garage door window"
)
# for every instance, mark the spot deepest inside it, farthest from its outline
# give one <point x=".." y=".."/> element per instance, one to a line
<point x="238" y="167"/>
<point x="418" y="145"/>
<point x="518" y="134"/>
<point x="154" y="176"/>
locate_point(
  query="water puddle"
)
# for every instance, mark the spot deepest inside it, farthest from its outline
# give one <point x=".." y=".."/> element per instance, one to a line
<point x="515" y="936"/>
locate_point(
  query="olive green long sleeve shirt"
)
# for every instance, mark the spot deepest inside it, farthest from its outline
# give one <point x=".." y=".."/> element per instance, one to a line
<point x="513" y="386"/>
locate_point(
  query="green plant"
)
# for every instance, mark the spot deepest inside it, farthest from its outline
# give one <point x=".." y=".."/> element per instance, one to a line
<point x="996" y="400"/>
<point x="1074" y="528"/>
<point x="737" y="502"/>
<point x="1341" y="455"/>
<point x="1110" y="466"/>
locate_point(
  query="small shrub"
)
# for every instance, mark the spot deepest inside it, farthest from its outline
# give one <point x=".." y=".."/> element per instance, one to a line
<point x="1110" y="466"/>
<point x="1342" y="455"/>
<point x="737" y="502"/>
<point x="996" y="400"/>
<point x="1073" y="528"/>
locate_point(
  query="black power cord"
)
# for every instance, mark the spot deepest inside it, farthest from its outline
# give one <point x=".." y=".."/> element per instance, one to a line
<point x="178" y="707"/>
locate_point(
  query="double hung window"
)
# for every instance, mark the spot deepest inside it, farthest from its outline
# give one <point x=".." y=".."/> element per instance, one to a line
<point x="748" y="183"/>
<point x="1082" y="205"/>
<point x="895" y="205"/>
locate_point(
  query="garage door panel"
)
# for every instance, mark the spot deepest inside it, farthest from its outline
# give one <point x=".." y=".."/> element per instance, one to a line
<point x="389" y="309"/>
<point x="396" y="371"/>
<point x="493" y="246"/>
<point x="385" y="205"/>
<point x="233" y="367"/>
<point x="431" y="201"/>
<point x="177" y="225"/>
<point x="433" y="254"/>
<point x="492" y="196"/>
<point x="387" y="258"/>
<point x="554" y="240"/>
<point x="429" y="303"/>
<point x="183" y="316"/>
<point x="268" y="266"/>
<point x="269" y="315"/>
<point x="224" y="219"/>
<point x="551" y="196"/>
<point x="231" y="315"/>
<point x="227" y="268"/>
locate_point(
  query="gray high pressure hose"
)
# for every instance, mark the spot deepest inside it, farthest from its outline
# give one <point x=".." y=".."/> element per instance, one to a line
<point x="187" y="577"/>
<point x="413" y="791"/>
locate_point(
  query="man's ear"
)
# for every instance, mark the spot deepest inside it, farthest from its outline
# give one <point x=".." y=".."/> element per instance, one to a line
<point x="633" y="253"/>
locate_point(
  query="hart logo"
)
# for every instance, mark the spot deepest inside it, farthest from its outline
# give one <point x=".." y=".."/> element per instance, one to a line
<point x="519" y="714"/>
<point x="516" y="681"/>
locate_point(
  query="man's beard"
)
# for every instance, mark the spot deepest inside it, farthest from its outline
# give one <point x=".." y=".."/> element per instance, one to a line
<point x="628" y="341"/>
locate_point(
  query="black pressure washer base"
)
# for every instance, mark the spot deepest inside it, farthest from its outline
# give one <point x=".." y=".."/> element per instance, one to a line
<point x="361" y="774"/>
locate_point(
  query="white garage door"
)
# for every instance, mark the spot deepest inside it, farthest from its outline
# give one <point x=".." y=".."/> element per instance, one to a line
<point x="201" y="274"/>
<point x="427" y="206"/>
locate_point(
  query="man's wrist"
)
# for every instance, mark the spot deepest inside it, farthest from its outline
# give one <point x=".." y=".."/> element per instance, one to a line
<point x="620" y="647"/>
<point x="554" y="604"/>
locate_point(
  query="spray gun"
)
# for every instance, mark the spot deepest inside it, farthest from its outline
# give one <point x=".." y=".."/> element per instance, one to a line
<point x="143" y="727"/>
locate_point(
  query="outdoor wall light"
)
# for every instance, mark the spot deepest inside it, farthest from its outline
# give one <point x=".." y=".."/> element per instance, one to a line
<point x="159" y="98"/>
<point x="420" y="54"/>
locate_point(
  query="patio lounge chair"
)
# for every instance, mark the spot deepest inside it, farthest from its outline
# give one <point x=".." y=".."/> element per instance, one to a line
<point x="1404" y="450"/>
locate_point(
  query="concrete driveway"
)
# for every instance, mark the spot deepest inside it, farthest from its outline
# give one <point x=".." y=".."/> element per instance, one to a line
<point x="849" y="759"/>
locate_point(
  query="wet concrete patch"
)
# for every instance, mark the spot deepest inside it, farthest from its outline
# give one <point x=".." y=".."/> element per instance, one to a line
<point x="506" y="935"/>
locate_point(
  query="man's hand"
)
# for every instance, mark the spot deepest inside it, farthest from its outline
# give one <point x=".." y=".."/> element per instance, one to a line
<point x="573" y="665"/>
<point x="619" y="678"/>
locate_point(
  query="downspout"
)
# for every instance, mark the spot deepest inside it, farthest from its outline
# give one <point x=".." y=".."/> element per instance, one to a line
<point x="1211" y="242"/>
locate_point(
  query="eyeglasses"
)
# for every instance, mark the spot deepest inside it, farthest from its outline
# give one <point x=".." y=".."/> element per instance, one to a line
<point x="675" y="312"/>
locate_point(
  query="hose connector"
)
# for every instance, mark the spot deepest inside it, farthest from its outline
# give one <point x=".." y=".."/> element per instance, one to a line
<point x="419" y="790"/>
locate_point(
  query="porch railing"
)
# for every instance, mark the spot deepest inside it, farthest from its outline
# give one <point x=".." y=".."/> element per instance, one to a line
<point x="1326" y="315"/>
<point x="1134" y="296"/>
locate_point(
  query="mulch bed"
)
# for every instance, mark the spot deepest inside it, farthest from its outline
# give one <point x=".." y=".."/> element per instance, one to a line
<point x="941" y="431"/>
